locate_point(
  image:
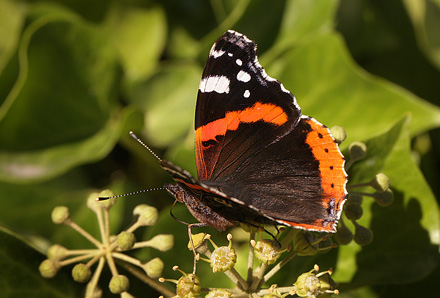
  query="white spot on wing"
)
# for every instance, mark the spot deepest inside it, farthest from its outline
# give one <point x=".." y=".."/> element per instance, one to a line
<point x="239" y="62"/>
<point x="215" y="54"/>
<point x="243" y="76"/>
<point x="246" y="94"/>
<point x="219" y="84"/>
<point x="230" y="54"/>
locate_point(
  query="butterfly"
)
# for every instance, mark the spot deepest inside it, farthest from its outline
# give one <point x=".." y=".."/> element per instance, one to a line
<point x="259" y="160"/>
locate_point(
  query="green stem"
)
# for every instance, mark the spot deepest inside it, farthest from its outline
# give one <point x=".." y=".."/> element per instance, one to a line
<point x="79" y="258"/>
<point x="278" y="266"/>
<point x="91" y="286"/>
<point x="127" y="259"/>
<point x="250" y="258"/>
<point x="111" y="263"/>
<point x="106" y="227"/>
<point x="146" y="279"/>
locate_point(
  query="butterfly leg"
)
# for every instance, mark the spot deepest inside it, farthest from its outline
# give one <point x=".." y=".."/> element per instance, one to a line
<point x="196" y="254"/>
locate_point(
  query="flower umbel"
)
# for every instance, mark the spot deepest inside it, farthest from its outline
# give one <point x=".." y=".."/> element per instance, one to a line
<point x="353" y="209"/>
<point x="109" y="249"/>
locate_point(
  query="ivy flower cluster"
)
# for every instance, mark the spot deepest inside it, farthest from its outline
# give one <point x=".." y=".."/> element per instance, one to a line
<point x="110" y="249"/>
<point x="268" y="253"/>
<point x="353" y="210"/>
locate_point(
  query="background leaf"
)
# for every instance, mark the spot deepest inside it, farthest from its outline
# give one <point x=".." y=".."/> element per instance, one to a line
<point x="21" y="262"/>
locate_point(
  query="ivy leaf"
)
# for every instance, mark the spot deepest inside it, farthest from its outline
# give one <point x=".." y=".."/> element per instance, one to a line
<point x="167" y="100"/>
<point x="331" y="88"/>
<point x="425" y="16"/>
<point x="61" y="110"/>
<point x="406" y="233"/>
<point x="20" y="275"/>
<point x="138" y="35"/>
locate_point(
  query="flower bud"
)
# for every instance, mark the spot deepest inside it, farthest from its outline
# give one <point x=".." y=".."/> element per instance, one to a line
<point x="385" y="198"/>
<point x="354" y="199"/>
<point x="218" y="293"/>
<point x="119" y="284"/>
<point x="56" y="252"/>
<point x="60" y="215"/>
<point x="326" y="244"/>
<point x="380" y="182"/>
<point x="223" y="258"/>
<point x="126" y="240"/>
<point x="186" y="288"/>
<point x="267" y="251"/>
<point x="147" y="215"/>
<point x="343" y="236"/>
<point x="307" y="285"/>
<point x="161" y="242"/>
<point x="81" y="273"/>
<point x="153" y="268"/>
<point x="92" y="202"/>
<point x="357" y="150"/>
<point x="338" y="134"/>
<point x="48" y="268"/>
<point x="302" y="245"/>
<point x="106" y="204"/>
<point x="362" y="235"/>
<point x="353" y="211"/>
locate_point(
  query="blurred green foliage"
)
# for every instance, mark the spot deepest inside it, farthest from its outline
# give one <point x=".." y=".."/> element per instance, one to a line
<point x="76" y="76"/>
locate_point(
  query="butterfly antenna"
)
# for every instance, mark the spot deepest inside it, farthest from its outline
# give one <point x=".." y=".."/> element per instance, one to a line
<point x="145" y="146"/>
<point x="129" y="194"/>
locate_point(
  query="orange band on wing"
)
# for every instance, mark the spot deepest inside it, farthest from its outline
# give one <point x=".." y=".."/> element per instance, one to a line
<point x="266" y="112"/>
<point x="331" y="161"/>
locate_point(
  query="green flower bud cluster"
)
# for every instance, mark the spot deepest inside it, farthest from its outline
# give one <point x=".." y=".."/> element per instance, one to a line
<point x="267" y="251"/>
<point x="353" y="209"/>
<point x="306" y="243"/>
<point x="311" y="285"/>
<point x="187" y="286"/>
<point x="222" y="258"/>
<point x="108" y="249"/>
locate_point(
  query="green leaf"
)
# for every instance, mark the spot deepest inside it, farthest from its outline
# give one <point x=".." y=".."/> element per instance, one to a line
<point x="425" y="16"/>
<point x="331" y="88"/>
<point x="62" y="104"/>
<point x="11" y="21"/>
<point x="405" y="242"/>
<point x="139" y="36"/>
<point x="167" y="100"/>
<point x="20" y="275"/>
<point x="304" y="19"/>
<point x="36" y="166"/>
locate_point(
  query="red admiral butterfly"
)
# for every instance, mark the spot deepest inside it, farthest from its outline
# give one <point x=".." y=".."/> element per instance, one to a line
<point x="259" y="161"/>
